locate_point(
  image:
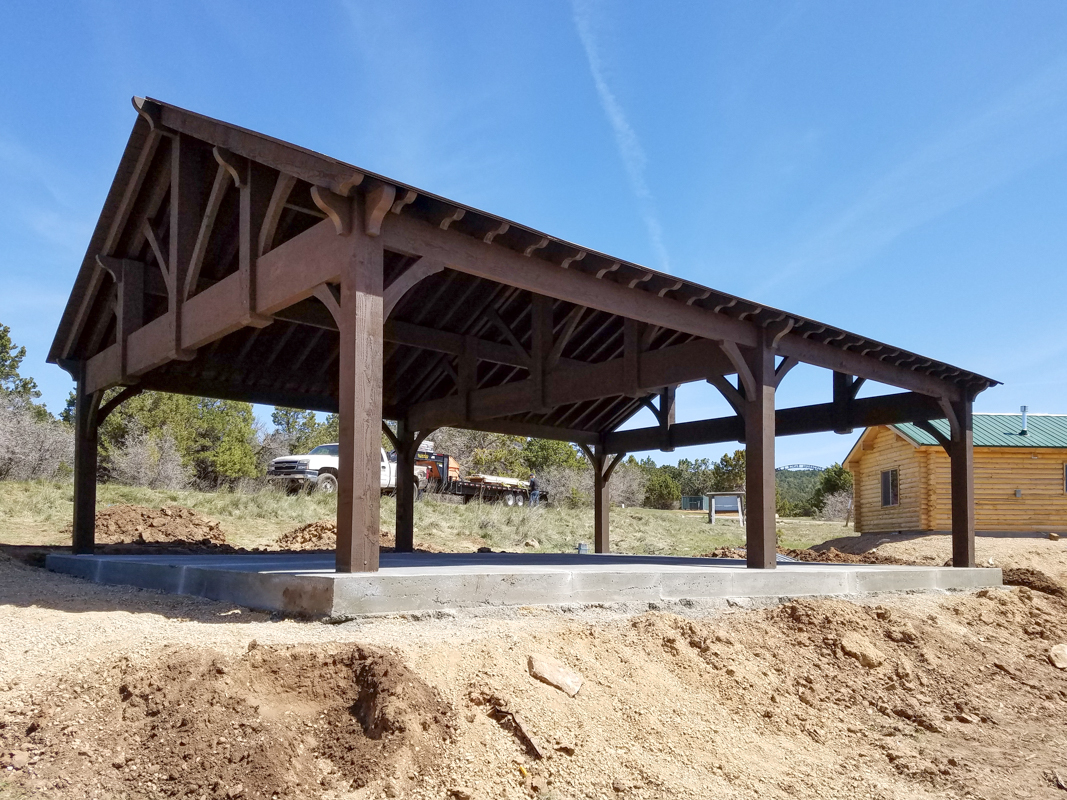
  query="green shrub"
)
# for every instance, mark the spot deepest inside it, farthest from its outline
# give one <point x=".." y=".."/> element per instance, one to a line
<point x="661" y="491"/>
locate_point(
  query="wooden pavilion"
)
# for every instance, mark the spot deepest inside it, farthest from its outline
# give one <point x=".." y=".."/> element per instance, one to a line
<point x="232" y="265"/>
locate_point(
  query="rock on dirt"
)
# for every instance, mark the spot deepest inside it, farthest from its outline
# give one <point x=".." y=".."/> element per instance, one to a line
<point x="861" y="649"/>
<point x="1057" y="656"/>
<point x="554" y="673"/>
<point x="129" y="524"/>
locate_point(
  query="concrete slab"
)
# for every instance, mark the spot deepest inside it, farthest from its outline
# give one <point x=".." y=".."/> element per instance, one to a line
<point x="305" y="583"/>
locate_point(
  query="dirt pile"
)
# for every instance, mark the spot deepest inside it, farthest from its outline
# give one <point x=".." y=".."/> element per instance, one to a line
<point x="321" y="535"/>
<point x="128" y="524"/>
<point x="278" y="722"/>
<point x="827" y="556"/>
<point x="1034" y="579"/>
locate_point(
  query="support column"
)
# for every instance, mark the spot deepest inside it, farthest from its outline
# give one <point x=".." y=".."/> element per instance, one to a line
<point x="360" y="407"/>
<point x="406" y="445"/>
<point x="760" y="505"/>
<point x="86" y="443"/>
<point x="603" y="466"/>
<point x="961" y="454"/>
<point x="601" y="503"/>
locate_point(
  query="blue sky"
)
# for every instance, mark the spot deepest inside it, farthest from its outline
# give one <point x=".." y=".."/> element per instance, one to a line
<point x="895" y="169"/>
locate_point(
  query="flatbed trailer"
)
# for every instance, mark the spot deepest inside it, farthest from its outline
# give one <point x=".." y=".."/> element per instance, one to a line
<point x="444" y="478"/>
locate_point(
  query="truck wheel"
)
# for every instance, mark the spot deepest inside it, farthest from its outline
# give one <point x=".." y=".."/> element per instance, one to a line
<point x="326" y="483"/>
<point x="509" y="499"/>
<point x="520" y="499"/>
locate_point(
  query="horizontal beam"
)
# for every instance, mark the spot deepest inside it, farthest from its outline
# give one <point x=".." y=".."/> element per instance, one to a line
<point x="862" y="413"/>
<point x="511" y="428"/>
<point x="658" y="368"/>
<point x="201" y="387"/>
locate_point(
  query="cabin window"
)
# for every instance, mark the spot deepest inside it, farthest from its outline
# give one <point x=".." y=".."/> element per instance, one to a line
<point x="890" y="487"/>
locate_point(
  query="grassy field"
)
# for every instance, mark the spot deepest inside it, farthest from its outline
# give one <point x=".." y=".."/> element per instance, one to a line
<point x="39" y="513"/>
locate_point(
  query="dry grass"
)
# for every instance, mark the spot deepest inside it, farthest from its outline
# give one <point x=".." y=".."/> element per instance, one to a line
<point x="39" y="513"/>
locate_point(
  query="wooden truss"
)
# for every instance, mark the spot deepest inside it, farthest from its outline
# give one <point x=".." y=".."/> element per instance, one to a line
<point x="231" y="265"/>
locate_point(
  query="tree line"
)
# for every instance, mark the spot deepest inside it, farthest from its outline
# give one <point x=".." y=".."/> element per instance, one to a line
<point x="172" y="441"/>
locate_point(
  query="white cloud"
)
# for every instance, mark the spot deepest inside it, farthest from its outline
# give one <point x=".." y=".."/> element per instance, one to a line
<point x="632" y="154"/>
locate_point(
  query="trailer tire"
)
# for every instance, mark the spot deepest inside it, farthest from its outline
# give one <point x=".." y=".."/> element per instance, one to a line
<point x="509" y="499"/>
<point x="520" y="499"/>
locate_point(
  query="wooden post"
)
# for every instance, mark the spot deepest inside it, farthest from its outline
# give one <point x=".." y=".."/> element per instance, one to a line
<point x="603" y="466"/>
<point x="601" y="502"/>
<point x="759" y="456"/>
<point x="85" y="463"/>
<point x="360" y="406"/>
<point x="406" y="445"/>
<point x="961" y="453"/>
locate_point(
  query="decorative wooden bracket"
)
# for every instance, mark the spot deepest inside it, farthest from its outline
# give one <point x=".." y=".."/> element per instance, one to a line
<point x="409" y="197"/>
<point x="529" y="251"/>
<point x="778" y="329"/>
<point x="600" y="273"/>
<point x="334" y="206"/>
<point x="378" y="202"/>
<point x="345" y="187"/>
<point x="231" y="163"/>
<point x="449" y="218"/>
<point x="571" y="259"/>
<point x="500" y="230"/>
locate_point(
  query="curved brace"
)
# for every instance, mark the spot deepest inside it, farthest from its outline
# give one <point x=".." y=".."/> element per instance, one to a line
<point x="282" y="187"/>
<point x="395" y="291"/>
<point x="325" y="293"/>
<point x="106" y="409"/>
<point x="390" y="436"/>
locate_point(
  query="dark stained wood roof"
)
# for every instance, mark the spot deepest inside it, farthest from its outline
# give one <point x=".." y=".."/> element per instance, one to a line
<point x="292" y="360"/>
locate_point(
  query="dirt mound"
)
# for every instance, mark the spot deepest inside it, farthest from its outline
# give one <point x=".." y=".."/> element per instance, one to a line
<point x="126" y="524"/>
<point x="278" y="722"/>
<point x="1033" y="579"/>
<point x="321" y="535"/>
<point x="828" y="556"/>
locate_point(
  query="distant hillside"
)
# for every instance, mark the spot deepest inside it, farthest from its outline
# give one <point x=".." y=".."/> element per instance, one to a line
<point x="796" y="487"/>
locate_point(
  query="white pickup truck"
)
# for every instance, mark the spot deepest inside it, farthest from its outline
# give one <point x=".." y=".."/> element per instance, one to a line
<point x="317" y="471"/>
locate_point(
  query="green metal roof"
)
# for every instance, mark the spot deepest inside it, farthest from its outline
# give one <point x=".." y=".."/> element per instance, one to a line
<point x="1001" y="430"/>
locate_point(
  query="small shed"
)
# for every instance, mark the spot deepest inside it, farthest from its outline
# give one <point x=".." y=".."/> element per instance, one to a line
<point x="696" y="502"/>
<point x="902" y="480"/>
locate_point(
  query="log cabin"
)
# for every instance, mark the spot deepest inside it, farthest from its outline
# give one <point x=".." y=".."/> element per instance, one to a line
<point x="902" y="483"/>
